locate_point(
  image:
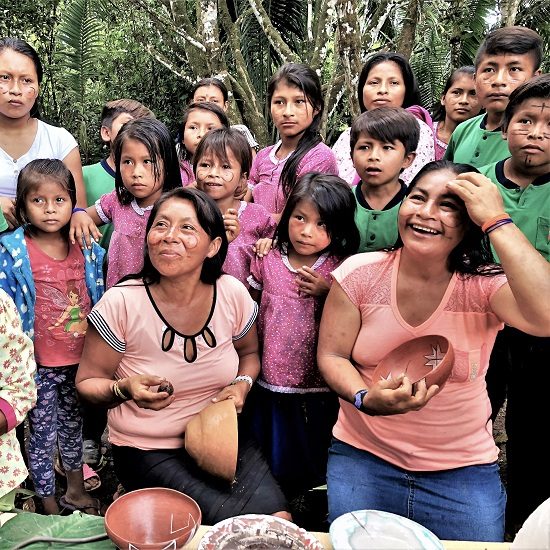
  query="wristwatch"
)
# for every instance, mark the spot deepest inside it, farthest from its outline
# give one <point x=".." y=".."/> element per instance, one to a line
<point x="358" y="399"/>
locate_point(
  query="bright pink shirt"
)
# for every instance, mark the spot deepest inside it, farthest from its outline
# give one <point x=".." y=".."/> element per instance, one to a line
<point x="288" y="324"/>
<point x="256" y="223"/>
<point x="62" y="304"/>
<point x="454" y="429"/>
<point x="128" y="238"/>
<point x="266" y="173"/>
<point x="128" y="322"/>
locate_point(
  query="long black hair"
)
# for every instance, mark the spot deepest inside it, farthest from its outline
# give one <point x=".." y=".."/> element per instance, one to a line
<point x="155" y="136"/>
<point x="412" y="94"/>
<point x="210" y="219"/>
<point x="305" y="79"/>
<point x="336" y="204"/>
<point x="24" y="48"/>
<point x="472" y="255"/>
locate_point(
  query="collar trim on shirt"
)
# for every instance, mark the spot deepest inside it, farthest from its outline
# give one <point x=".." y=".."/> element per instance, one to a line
<point x="138" y="210"/>
<point x="107" y="168"/>
<point x="509" y="184"/>
<point x="273" y="152"/>
<point x="483" y="125"/>
<point x="318" y="263"/>
<point x="398" y="197"/>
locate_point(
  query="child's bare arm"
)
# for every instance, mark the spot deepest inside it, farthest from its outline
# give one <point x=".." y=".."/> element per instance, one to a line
<point x="84" y="225"/>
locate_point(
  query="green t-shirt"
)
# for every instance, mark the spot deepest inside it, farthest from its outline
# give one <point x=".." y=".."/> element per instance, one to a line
<point x="472" y="144"/>
<point x="99" y="180"/>
<point x="529" y="207"/>
<point x="377" y="228"/>
<point x="3" y="222"/>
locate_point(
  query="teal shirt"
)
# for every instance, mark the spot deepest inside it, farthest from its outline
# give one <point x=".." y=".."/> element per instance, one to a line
<point x="472" y="144"/>
<point x="377" y="228"/>
<point x="3" y="222"/>
<point x="99" y="180"/>
<point x="529" y="207"/>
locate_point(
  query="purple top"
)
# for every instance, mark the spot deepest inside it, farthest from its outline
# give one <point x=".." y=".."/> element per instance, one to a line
<point x="256" y="223"/>
<point x="186" y="171"/>
<point x="288" y="324"/>
<point x="128" y="239"/>
<point x="266" y="173"/>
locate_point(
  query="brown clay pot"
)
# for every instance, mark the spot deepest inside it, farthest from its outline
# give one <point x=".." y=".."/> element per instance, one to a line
<point x="212" y="439"/>
<point x="152" y="519"/>
<point x="430" y="357"/>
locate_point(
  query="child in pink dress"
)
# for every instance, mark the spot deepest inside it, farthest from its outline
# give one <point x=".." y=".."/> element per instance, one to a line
<point x="146" y="166"/>
<point x="198" y="119"/>
<point x="221" y="164"/>
<point x="293" y="410"/>
<point x="296" y="104"/>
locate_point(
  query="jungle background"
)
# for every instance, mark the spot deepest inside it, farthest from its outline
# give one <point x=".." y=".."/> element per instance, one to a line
<point x="94" y="51"/>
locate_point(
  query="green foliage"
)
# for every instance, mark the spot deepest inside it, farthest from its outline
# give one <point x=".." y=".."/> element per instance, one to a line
<point x="27" y="526"/>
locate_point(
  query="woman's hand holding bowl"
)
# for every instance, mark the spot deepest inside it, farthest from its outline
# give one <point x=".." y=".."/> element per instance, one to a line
<point x="236" y="392"/>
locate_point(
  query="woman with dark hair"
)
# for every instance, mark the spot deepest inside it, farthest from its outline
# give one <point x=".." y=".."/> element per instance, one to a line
<point x="182" y="320"/>
<point x="419" y="452"/>
<point x="23" y="136"/>
<point x="387" y="80"/>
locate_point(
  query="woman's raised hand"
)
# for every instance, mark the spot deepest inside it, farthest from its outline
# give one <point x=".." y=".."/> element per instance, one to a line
<point x="480" y="195"/>
<point x="83" y="230"/>
<point x="397" y="396"/>
<point x="138" y="388"/>
<point x="232" y="224"/>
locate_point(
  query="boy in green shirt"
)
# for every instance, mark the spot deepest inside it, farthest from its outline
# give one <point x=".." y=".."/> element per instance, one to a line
<point x="383" y="143"/>
<point x="99" y="178"/>
<point x="507" y="58"/>
<point x="519" y="362"/>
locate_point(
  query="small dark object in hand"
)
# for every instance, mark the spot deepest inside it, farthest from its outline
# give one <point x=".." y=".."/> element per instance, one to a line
<point x="167" y="387"/>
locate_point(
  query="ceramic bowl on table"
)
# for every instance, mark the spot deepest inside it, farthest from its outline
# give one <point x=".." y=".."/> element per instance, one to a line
<point x="257" y="531"/>
<point x="372" y="529"/>
<point x="152" y="519"/>
<point x="429" y="357"/>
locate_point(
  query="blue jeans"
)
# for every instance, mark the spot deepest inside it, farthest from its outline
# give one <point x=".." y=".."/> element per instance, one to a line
<point x="460" y="504"/>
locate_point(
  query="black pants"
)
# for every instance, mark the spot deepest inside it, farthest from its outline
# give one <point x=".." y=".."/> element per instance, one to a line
<point x="518" y="370"/>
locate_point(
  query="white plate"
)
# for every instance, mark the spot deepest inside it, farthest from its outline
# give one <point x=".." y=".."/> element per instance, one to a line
<point x="257" y="531"/>
<point x="372" y="529"/>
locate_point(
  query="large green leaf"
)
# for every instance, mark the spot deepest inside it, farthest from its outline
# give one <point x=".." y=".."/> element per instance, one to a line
<point x="76" y="526"/>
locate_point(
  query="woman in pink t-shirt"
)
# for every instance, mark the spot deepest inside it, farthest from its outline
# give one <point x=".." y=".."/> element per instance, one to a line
<point x="425" y="454"/>
<point x="182" y="320"/>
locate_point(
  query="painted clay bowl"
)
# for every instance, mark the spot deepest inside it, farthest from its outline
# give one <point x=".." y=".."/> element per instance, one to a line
<point x="430" y="357"/>
<point x="255" y="531"/>
<point x="152" y="519"/>
<point x="212" y="439"/>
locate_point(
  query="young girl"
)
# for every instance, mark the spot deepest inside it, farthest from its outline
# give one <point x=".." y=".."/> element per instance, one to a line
<point x="387" y="80"/>
<point x="221" y="164"/>
<point x="198" y="120"/>
<point x="458" y="103"/>
<point x="146" y="166"/>
<point x="293" y="411"/>
<point x="53" y="284"/>
<point x="296" y="105"/>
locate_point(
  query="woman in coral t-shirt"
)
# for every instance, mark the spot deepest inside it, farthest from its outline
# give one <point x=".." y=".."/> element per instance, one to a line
<point x="425" y="454"/>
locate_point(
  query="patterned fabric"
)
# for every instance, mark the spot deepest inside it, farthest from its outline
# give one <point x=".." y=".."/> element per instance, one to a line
<point x="17" y="280"/>
<point x="17" y="391"/>
<point x="424" y="153"/>
<point x="440" y="146"/>
<point x="128" y="238"/>
<point x="55" y="418"/>
<point x="288" y="324"/>
<point x="256" y="223"/>
<point x="265" y="173"/>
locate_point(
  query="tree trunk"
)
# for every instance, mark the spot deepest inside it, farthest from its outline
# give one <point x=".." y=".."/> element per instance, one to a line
<point x="405" y="43"/>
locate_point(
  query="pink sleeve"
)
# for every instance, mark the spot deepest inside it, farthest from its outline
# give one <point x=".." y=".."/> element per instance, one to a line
<point x="342" y="152"/>
<point x="492" y="284"/>
<point x="269" y="225"/>
<point x="106" y="205"/>
<point x="255" y="279"/>
<point x="245" y="308"/>
<point x="318" y="159"/>
<point x="254" y="177"/>
<point x="347" y="277"/>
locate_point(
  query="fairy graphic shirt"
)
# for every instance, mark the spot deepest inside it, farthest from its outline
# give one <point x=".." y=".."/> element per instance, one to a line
<point x="62" y="305"/>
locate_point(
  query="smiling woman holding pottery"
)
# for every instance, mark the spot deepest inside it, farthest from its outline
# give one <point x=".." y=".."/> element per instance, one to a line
<point x="182" y="321"/>
<point x="417" y="451"/>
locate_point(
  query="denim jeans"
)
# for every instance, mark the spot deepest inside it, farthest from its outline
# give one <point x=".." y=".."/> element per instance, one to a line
<point x="459" y="504"/>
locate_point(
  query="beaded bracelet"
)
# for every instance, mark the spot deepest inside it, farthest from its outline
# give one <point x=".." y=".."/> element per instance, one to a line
<point x="243" y="378"/>
<point x="77" y="209"/>
<point x="489" y="223"/>
<point x="118" y="392"/>
<point x="498" y="224"/>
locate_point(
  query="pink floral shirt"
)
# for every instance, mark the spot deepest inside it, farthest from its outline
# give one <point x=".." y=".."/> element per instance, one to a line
<point x="128" y="239"/>
<point x="256" y="223"/>
<point x="17" y="391"/>
<point x="266" y="173"/>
